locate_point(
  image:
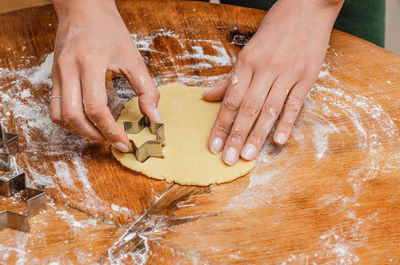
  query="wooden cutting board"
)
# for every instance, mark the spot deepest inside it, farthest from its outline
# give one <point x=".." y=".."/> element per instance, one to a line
<point x="331" y="195"/>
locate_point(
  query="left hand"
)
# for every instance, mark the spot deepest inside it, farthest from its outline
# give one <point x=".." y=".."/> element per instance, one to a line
<point x="273" y="74"/>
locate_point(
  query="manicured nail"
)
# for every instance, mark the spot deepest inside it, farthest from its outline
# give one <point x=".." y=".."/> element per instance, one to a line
<point x="216" y="145"/>
<point x="230" y="156"/>
<point x="248" y="151"/>
<point x="121" y="147"/>
<point x="157" y="115"/>
<point x="281" y="138"/>
<point x="208" y="90"/>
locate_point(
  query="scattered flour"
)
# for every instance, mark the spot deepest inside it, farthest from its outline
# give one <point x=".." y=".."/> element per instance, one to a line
<point x="38" y="135"/>
<point x="331" y="114"/>
<point x="19" y="251"/>
<point x="75" y="223"/>
<point x="267" y="186"/>
<point x="261" y="190"/>
<point x="195" y="59"/>
<point x="335" y="245"/>
<point x="324" y="72"/>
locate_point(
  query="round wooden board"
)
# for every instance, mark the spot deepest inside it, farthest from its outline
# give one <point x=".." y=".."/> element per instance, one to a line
<point x="331" y="195"/>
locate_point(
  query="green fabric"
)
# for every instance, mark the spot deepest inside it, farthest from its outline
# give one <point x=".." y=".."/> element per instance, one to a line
<point x="365" y="19"/>
<point x="362" y="18"/>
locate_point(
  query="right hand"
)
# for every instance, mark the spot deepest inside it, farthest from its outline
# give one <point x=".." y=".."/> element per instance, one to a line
<point x="91" y="39"/>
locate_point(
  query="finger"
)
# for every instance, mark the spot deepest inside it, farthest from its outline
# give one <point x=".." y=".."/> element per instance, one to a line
<point x="55" y="100"/>
<point x="72" y="116"/>
<point x="267" y="118"/>
<point x="217" y="93"/>
<point x="291" y="110"/>
<point x="247" y="115"/>
<point x="239" y="83"/>
<point x="144" y="87"/>
<point x="95" y="106"/>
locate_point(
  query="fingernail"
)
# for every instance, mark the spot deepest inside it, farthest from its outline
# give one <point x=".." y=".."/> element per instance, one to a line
<point x="208" y="90"/>
<point x="281" y="138"/>
<point x="216" y="145"/>
<point x="121" y="147"/>
<point x="248" y="151"/>
<point x="230" y="156"/>
<point x="157" y="115"/>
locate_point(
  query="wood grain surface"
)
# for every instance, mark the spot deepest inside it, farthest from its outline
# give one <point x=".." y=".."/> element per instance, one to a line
<point x="330" y="196"/>
<point x="11" y="5"/>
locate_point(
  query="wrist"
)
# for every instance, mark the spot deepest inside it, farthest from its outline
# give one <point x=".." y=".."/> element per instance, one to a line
<point x="66" y="8"/>
<point x="327" y="6"/>
<point x="316" y="12"/>
<point x="331" y="2"/>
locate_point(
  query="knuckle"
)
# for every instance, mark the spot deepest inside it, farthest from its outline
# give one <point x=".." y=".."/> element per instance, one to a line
<point x="271" y="109"/>
<point x="55" y="118"/>
<point x="247" y="56"/>
<point x="146" y="100"/>
<point x="86" y="59"/>
<point x="92" y="110"/>
<point x="257" y="138"/>
<point x="301" y="67"/>
<point x="275" y="64"/>
<point x="251" y="107"/>
<point x="221" y="127"/>
<point x="309" y="76"/>
<point x="63" y="59"/>
<point x="312" y="70"/>
<point x="83" y="60"/>
<point x="70" y="117"/>
<point x="156" y="95"/>
<point x="129" y="72"/>
<point x="293" y="105"/>
<point x="286" y="123"/>
<point x="150" y="96"/>
<point x="236" y="136"/>
<point x="232" y="102"/>
<point x="110" y="133"/>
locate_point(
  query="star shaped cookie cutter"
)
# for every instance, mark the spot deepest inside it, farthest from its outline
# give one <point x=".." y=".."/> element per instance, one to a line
<point x="151" y="148"/>
<point x="8" y="147"/>
<point x="34" y="199"/>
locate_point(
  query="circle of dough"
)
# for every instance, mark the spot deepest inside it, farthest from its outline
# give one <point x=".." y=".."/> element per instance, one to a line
<point x="188" y="120"/>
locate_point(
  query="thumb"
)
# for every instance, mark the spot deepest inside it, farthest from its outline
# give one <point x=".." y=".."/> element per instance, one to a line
<point x="217" y="93"/>
<point x="148" y="101"/>
<point x="146" y="91"/>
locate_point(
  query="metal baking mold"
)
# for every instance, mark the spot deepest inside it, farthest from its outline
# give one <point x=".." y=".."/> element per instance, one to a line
<point x="151" y="148"/>
<point x="11" y="184"/>
<point x="34" y="199"/>
<point x="8" y="147"/>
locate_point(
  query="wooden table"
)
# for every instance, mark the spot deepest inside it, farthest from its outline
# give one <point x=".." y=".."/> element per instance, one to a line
<point x="330" y="196"/>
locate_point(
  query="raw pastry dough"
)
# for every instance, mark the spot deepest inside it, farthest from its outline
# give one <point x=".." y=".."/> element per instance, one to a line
<point x="188" y="121"/>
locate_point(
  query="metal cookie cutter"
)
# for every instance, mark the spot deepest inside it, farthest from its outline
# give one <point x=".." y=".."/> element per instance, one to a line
<point x="35" y="202"/>
<point x="8" y="147"/>
<point x="148" y="148"/>
<point x="35" y="199"/>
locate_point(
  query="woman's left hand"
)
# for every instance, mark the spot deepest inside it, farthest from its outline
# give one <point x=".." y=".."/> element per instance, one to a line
<point x="273" y="74"/>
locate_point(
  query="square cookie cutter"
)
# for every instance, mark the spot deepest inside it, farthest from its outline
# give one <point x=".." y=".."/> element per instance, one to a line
<point x="34" y="199"/>
<point x="151" y="148"/>
<point x="35" y="202"/>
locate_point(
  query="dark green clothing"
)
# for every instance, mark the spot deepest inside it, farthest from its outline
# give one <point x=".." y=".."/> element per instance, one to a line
<point x="362" y="18"/>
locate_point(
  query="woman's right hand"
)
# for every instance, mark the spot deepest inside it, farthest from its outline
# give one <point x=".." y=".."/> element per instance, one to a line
<point x="91" y="39"/>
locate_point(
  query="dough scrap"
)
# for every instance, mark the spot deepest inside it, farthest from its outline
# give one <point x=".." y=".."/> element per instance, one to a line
<point x="188" y="121"/>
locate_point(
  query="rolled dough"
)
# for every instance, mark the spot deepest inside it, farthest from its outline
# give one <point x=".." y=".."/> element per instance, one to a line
<point x="188" y="121"/>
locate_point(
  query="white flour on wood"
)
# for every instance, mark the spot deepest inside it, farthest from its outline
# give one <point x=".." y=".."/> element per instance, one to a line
<point x="328" y="101"/>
